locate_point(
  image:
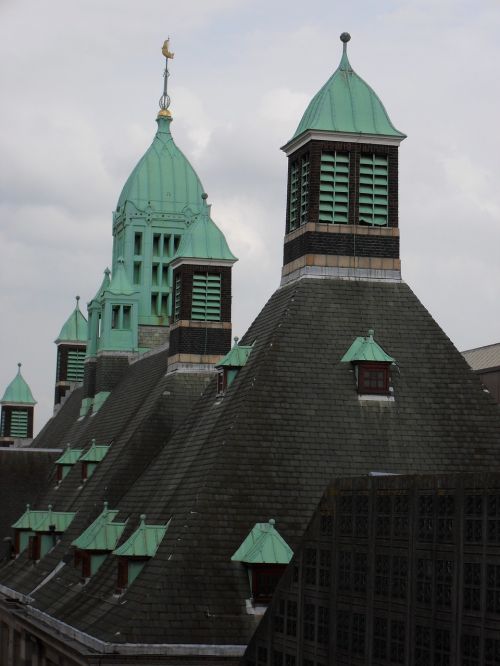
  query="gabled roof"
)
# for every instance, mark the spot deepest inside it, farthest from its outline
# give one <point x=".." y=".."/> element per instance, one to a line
<point x="144" y="541"/>
<point x="347" y="104"/>
<point x="41" y="521"/>
<point x="102" y="534"/>
<point x="263" y="545"/>
<point x="236" y="357"/>
<point x="204" y="240"/>
<point x="69" y="457"/>
<point x="366" y="349"/>
<point x="75" y="327"/>
<point x="96" y="453"/>
<point x="18" y="391"/>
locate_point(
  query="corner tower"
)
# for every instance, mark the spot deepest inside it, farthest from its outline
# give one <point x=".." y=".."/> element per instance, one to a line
<point x="342" y="203"/>
<point x="71" y="345"/>
<point x="18" y="406"/>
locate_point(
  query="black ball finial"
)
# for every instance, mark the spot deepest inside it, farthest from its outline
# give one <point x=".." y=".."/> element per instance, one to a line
<point x="345" y="37"/>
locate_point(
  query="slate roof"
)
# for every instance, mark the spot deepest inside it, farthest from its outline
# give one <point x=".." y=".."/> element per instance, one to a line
<point x="290" y="421"/>
<point x="483" y="358"/>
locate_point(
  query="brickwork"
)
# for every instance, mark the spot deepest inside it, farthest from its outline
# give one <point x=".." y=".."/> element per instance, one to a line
<point x="315" y="148"/>
<point x="110" y="370"/>
<point x="341" y="244"/>
<point x="62" y="359"/>
<point x="186" y="272"/>
<point x="151" y="337"/>
<point x="7" y="419"/>
<point x="89" y="377"/>
<point x="200" y="340"/>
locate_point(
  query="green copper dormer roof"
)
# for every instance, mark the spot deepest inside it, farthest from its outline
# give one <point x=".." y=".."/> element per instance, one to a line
<point x="120" y="284"/>
<point x="41" y="521"/>
<point x="204" y="240"/>
<point x="57" y="521"/>
<point x="366" y="349"/>
<point x="75" y="328"/>
<point x="144" y="541"/>
<point x="29" y="519"/>
<point x="346" y="104"/>
<point x="18" y="392"/>
<point x="236" y="357"/>
<point x="264" y="545"/>
<point x="69" y="457"/>
<point x="95" y="453"/>
<point x="103" y="533"/>
<point x="163" y="181"/>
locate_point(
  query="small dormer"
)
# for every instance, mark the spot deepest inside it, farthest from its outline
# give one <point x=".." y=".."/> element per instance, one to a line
<point x="266" y="555"/>
<point x="138" y="549"/>
<point x="65" y="462"/>
<point x="371" y="366"/>
<point x="97" y="542"/>
<point x="92" y="458"/>
<point x="229" y="366"/>
<point x="42" y="529"/>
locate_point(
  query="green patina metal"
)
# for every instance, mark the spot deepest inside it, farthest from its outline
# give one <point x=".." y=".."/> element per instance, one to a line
<point x="366" y="349"/>
<point x="99" y="400"/>
<point x="373" y="190"/>
<point x="103" y="534"/>
<point x="96" y="453"/>
<point x="75" y="328"/>
<point x="18" y="392"/>
<point x="347" y="104"/>
<point x="334" y="188"/>
<point x="42" y="521"/>
<point x="70" y="456"/>
<point x="263" y="545"/>
<point x="206" y="299"/>
<point x="236" y="357"/>
<point x="144" y="541"/>
<point x="204" y="240"/>
<point x="95" y="314"/>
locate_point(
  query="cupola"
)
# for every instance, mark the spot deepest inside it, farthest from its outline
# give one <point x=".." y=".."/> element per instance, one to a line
<point x="18" y="406"/>
<point x="71" y="347"/>
<point x="266" y="555"/>
<point x="371" y="366"/>
<point x="342" y="208"/>
<point x="201" y="327"/>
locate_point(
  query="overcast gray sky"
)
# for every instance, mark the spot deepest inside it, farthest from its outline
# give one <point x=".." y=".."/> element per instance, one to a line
<point x="80" y="82"/>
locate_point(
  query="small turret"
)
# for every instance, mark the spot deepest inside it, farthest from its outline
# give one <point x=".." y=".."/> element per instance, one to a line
<point x="71" y="345"/>
<point x="18" y="405"/>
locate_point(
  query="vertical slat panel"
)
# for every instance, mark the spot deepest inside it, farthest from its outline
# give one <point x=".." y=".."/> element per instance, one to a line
<point x="373" y="190"/>
<point x="334" y="188"/>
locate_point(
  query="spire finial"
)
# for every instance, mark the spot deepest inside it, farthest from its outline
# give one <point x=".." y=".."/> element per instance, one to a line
<point x="344" y="63"/>
<point x="19" y="368"/>
<point x="77" y="298"/>
<point x="165" y="98"/>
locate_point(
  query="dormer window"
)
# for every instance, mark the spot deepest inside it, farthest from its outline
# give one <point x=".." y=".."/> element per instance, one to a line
<point x="371" y="366"/>
<point x="40" y="530"/>
<point x="92" y="458"/>
<point x="229" y="366"/>
<point x="266" y="554"/>
<point x="65" y="462"/>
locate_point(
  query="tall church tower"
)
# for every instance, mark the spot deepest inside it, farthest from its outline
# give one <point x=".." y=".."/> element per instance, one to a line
<point x="342" y="204"/>
<point x="18" y="406"/>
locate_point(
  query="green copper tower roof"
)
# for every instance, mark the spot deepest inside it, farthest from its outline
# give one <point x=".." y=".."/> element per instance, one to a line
<point x="144" y="541"/>
<point x="18" y="391"/>
<point x="346" y="104"/>
<point x="204" y="240"/>
<point x="264" y="545"/>
<point x="366" y="349"/>
<point x="75" y="328"/>
<point x="163" y="181"/>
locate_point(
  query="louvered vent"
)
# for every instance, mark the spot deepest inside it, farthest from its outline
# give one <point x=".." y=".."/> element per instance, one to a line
<point x="304" y="190"/>
<point x="206" y="297"/>
<point x="177" y="309"/>
<point x="75" y="365"/>
<point x="373" y="190"/>
<point x="294" y="196"/>
<point x="18" y="423"/>
<point x="334" y="188"/>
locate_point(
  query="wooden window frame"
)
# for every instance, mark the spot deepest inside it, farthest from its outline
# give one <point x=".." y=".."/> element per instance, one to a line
<point x="259" y="571"/>
<point x="364" y="368"/>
